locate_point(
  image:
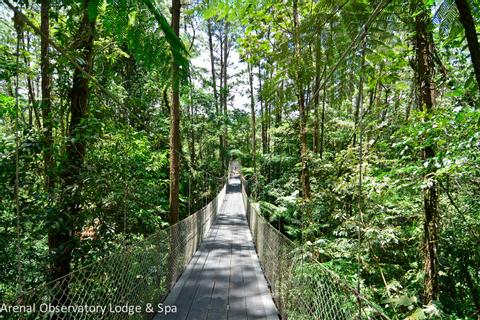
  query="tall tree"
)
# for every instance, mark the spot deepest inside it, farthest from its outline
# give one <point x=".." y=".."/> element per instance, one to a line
<point x="263" y="110"/>
<point x="32" y="110"/>
<point x="226" y="51"/>
<point x="252" y="115"/>
<point x="214" y="79"/>
<point x="305" y="179"/>
<point x="468" y="23"/>
<point x="316" y="99"/>
<point x="60" y="238"/>
<point x="175" y="123"/>
<point x="46" y="96"/>
<point x="220" y="111"/>
<point x="424" y="51"/>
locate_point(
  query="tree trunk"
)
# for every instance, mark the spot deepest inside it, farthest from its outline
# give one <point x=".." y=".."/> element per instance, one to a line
<point x="175" y="125"/>
<point x="268" y="125"/>
<point x="253" y="124"/>
<point x="262" y="112"/>
<point x="305" y="179"/>
<point x="268" y="107"/>
<point x="192" y="130"/>
<point x="31" y="90"/>
<point x="411" y="98"/>
<point x="322" y="122"/>
<point x="357" y="115"/>
<point x="471" y="34"/>
<point x="60" y="239"/>
<point x="220" y="111"/>
<point x="214" y="79"/>
<point x="426" y="89"/>
<point x="226" y="50"/>
<point x="351" y="89"/>
<point x="212" y="63"/>
<point x="383" y="113"/>
<point x="316" y="125"/>
<point x="303" y="148"/>
<point x="46" y="98"/>
<point x="279" y="107"/>
<point x="265" y="120"/>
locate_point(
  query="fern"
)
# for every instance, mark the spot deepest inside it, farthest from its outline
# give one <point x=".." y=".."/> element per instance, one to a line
<point x="447" y="16"/>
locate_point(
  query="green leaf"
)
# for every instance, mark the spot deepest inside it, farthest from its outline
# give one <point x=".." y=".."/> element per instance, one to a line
<point x="93" y="9"/>
<point x="178" y="49"/>
<point x="403" y="300"/>
<point x="417" y="315"/>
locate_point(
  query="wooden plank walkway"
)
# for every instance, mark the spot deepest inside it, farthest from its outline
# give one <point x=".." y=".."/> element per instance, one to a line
<point x="224" y="279"/>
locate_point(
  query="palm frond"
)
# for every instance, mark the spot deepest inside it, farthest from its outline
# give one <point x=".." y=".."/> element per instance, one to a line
<point x="178" y="49"/>
<point x="446" y="17"/>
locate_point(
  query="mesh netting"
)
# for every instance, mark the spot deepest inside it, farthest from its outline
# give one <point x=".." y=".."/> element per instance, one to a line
<point x="301" y="287"/>
<point x="142" y="275"/>
<point x="138" y="277"/>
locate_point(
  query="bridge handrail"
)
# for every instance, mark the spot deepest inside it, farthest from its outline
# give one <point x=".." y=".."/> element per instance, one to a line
<point x="301" y="286"/>
<point x="138" y="275"/>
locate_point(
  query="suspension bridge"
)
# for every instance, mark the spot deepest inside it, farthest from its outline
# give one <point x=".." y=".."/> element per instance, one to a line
<point x="223" y="262"/>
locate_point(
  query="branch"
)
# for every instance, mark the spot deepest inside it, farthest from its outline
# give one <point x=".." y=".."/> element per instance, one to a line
<point x="61" y="50"/>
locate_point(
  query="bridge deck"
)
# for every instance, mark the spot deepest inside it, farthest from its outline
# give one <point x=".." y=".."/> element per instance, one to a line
<point x="224" y="279"/>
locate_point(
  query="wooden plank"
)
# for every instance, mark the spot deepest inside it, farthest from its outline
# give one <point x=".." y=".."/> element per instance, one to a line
<point x="224" y="280"/>
<point x="183" y="292"/>
<point x="198" y="258"/>
<point x="236" y="294"/>
<point x="203" y="295"/>
<point x="217" y="308"/>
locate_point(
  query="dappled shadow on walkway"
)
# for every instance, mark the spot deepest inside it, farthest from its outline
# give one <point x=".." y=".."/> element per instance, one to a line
<point x="224" y="279"/>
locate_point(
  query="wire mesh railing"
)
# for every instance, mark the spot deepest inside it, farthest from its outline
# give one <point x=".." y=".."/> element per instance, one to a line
<point x="302" y="288"/>
<point x="129" y="284"/>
